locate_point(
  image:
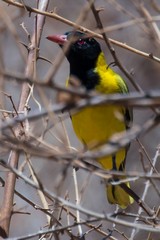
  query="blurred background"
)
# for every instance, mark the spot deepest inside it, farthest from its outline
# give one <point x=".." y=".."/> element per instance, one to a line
<point x="143" y="36"/>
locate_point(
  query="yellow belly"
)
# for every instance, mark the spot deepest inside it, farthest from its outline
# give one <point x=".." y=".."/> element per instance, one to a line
<point x="95" y="125"/>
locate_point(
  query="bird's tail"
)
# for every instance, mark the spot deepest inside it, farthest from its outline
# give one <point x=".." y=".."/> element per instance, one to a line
<point x="115" y="193"/>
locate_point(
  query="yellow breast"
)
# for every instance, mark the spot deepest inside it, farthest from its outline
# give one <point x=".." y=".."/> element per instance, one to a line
<point x="94" y="125"/>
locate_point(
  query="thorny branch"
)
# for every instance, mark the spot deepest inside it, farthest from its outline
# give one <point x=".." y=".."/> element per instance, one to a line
<point x="99" y="216"/>
<point x="83" y="29"/>
<point x="7" y="205"/>
<point x="18" y="138"/>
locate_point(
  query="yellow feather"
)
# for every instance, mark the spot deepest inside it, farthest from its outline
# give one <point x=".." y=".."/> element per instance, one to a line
<point x="95" y="125"/>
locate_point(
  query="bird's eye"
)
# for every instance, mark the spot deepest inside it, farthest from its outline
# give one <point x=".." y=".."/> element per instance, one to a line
<point x="81" y="41"/>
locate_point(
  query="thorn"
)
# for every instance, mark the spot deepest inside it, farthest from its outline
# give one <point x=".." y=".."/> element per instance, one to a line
<point x="100" y="9"/>
<point x="111" y="64"/>
<point x="45" y="59"/>
<point x="28" y="108"/>
<point x="151" y="55"/>
<point x="25" y="45"/>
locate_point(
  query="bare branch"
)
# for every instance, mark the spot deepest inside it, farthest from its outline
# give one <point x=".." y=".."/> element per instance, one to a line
<point x="83" y="29"/>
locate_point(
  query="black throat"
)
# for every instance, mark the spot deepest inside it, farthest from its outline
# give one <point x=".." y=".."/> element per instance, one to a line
<point x="85" y="72"/>
<point x="82" y="56"/>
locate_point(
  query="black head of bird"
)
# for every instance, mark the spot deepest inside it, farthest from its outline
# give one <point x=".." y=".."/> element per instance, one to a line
<point x="82" y="48"/>
<point x="82" y="55"/>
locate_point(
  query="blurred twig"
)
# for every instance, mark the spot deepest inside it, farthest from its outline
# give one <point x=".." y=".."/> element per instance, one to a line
<point x="24" y="140"/>
<point x="10" y="26"/>
<point x="114" y="144"/>
<point x="112" y="51"/>
<point x="145" y="191"/>
<point x="6" y="208"/>
<point x="133" y="99"/>
<point x="153" y="27"/>
<point x="93" y="33"/>
<point x="97" y="216"/>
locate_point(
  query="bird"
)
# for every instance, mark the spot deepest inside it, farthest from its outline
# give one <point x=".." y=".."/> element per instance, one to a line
<point x="95" y="125"/>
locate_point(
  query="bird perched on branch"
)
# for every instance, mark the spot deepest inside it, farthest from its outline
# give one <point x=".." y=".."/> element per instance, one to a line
<point x="95" y="125"/>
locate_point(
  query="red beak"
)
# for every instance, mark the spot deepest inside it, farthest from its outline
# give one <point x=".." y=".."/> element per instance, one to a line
<point x="60" y="39"/>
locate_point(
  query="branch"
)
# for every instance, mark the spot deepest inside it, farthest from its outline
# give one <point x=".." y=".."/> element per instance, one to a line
<point x="77" y="159"/>
<point x="142" y="99"/>
<point x="111" y="49"/>
<point x="87" y="212"/>
<point x="145" y="191"/>
<point x="6" y="208"/>
<point x="83" y="29"/>
<point x="151" y="98"/>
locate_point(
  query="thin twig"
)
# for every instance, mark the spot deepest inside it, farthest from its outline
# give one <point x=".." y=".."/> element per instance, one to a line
<point x="6" y="208"/>
<point x="77" y="199"/>
<point x="147" y="185"/>
<point x="112" y="51"/>
<point x="97" y="216"/>
<point x="93" y="33"/>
